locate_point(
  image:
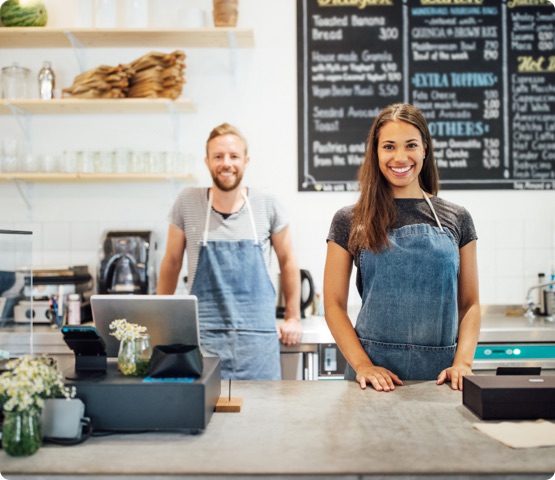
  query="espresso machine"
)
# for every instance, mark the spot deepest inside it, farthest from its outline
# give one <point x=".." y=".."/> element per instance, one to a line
<point x="127" y="263"/>
<point x="34" y="291"/>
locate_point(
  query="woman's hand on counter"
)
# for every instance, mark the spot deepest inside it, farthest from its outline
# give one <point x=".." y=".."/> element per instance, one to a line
<point x="454" y="374"/>
<point x="382" y="379"/>
<point x="290" y="331"/>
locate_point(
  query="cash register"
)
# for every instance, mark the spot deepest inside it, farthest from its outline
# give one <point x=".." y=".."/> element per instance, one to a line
<point x="117" y="402"/>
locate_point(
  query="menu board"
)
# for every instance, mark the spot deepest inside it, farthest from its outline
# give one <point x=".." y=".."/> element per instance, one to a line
<point x="481" y="71"/>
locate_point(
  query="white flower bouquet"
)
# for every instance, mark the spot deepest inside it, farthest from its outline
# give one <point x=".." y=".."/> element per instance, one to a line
<point x="134" y="351"/>
<point x="123" y="330"/>
<point x="28" y="381"/>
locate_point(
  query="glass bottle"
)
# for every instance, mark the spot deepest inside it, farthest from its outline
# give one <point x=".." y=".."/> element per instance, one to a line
<point x="74" y="309"/>
<point x="47" y="81"/>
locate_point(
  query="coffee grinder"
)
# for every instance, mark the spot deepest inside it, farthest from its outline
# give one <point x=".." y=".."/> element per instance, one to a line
<point x="127" y="263"/>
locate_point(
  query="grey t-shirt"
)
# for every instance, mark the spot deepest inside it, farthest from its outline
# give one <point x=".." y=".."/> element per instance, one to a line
<point x="189" y="215"/>
<point x="410" y="211"/>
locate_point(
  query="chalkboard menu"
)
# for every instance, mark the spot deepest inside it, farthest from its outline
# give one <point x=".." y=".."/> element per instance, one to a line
<point x="481" y="71"/>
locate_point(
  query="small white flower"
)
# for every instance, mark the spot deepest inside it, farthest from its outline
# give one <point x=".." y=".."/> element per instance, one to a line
<point x="28" y="381"/>
<point x="123" y="330"/>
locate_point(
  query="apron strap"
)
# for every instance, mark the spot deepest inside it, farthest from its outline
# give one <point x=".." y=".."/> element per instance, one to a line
<point x="251" y="217"/>
<point x="207" y="222"/>
<point x="209" y="209"/>
<point x="433" y="210"/>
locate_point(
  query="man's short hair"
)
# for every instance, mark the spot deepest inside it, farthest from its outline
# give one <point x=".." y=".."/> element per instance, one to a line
<point x="226" y="129"/>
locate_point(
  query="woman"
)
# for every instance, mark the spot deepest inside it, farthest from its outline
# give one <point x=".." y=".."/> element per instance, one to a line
<point x="416" y="265"/>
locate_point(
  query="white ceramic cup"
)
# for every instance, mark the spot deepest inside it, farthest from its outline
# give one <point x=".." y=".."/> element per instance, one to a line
<point x="191" y="17"/>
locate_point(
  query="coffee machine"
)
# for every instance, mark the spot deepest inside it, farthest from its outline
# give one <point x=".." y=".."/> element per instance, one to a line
<point x="127" y="262"/>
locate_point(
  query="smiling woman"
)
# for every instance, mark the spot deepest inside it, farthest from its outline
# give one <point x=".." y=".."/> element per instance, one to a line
<point x="416" y="260"/>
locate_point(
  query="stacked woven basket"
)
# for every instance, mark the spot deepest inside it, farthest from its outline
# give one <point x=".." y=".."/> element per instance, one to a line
<point x="154" y="75"/>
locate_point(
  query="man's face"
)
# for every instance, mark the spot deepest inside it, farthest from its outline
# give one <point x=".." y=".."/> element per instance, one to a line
<point x="226" y="161"/>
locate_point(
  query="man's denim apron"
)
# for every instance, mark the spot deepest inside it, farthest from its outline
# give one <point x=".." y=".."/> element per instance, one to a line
<point x="408" y="322"/>
<point x="237" y="306"/>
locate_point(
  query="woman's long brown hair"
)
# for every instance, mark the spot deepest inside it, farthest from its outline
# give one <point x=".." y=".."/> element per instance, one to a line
<point x="375" y="211"/>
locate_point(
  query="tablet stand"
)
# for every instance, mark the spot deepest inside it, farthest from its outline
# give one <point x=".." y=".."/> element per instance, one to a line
<point x="90" y="358"/>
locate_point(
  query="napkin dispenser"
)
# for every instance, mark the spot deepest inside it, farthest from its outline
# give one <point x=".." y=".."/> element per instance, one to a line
<point x="510" y="397"/>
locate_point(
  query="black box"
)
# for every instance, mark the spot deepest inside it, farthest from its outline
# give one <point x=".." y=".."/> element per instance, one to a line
<point x="117" y="402"/>
<point x="510" y="397"/>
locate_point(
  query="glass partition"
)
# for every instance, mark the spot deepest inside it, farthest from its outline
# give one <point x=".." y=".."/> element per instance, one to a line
<point x="16" y="299"/>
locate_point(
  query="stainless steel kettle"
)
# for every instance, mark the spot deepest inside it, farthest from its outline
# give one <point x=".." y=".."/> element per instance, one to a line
<point x="307" y="295"/>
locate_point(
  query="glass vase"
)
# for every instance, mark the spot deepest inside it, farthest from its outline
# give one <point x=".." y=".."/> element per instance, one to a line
<point x="134" y="356"/>
<point x="21" y="434"/>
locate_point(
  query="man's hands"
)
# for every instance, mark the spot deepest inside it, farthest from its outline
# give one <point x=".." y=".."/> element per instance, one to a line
<point x="290" y="331"/>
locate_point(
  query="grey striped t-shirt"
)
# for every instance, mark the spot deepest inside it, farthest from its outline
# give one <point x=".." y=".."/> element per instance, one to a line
<point x="189" y="214"/>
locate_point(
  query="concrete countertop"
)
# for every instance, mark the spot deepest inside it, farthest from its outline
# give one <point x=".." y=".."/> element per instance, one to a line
<point x="292" y="428"/>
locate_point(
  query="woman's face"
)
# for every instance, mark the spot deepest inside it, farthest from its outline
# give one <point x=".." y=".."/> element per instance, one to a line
<point x="401" y="154"/>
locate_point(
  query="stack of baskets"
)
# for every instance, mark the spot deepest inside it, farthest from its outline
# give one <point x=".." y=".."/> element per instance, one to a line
<point x="158" y="75"/>
<point x="154" y="75"/>
<point x="101" y="82"/>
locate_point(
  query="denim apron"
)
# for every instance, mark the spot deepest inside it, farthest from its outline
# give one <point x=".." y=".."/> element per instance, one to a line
<point x="408" y="321"/>
<point x="237" y="306"/>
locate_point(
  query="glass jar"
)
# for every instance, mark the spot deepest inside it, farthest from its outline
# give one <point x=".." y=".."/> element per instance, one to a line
<point x="15" y="80"/>
<point x="136" y="13"/>
<point x="106" y="14"/>
<point x="21" y="434"/>
<point x="134" y="356"/>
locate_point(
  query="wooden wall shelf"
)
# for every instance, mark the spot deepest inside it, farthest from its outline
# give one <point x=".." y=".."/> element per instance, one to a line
<point x="95" y="177"/>
<point x="45" y="37"/>
<point x="97" y="105"/>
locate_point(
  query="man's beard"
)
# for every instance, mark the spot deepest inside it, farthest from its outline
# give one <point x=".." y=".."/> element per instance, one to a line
<point x="227" y="187"/>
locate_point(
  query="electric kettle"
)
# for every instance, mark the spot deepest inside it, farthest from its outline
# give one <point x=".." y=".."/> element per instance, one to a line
<point x="307" y="295"/>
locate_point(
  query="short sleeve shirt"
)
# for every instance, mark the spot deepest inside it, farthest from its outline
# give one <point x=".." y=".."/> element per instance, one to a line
<point x="410" y="211"/>
<point x="189" y="215"/>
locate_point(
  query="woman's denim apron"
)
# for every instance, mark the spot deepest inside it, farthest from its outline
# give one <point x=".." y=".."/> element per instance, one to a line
<point x="408" y="322"/>
<point x="237" y="306"/>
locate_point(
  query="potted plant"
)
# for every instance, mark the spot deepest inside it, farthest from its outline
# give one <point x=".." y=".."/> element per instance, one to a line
<point x="134" y="349"/>
<point x="25" y="385"/>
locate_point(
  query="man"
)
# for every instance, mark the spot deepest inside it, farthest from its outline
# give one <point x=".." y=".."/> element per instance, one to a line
<point x="228" y="231"/>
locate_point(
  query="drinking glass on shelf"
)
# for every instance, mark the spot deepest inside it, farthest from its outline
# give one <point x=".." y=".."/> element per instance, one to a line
<point x="85" y="162"/>
<point x="166" y="162"/>
<point x="68" y="162"/>
<point x="137" y="162"/>
<point x="121" y="160"/>
<point x="46" y="163"/>
<point x="153" y="162"/>
<point x="10" y="163"/>
<point x="8" y="155"/>
<point x="105" y="162"/>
